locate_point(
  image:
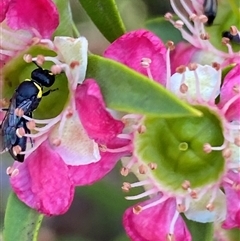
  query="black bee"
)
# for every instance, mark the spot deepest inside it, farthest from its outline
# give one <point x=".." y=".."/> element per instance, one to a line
<point x="26" y="98"/>
<point x="232" y="38"/>
<point x="210" y="10"/>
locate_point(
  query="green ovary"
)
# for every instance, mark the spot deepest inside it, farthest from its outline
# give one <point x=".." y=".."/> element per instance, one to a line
<point x="176" y="145"/>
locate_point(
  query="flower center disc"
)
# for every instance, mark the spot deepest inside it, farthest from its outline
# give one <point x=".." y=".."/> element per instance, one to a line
<point x="176" y="145"/>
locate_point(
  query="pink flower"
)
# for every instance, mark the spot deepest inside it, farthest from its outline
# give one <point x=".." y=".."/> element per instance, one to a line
<point x="230" y="87"/>
<point x="21" y="21"/>
<point x="155" y="223"/>
<point x="186" y="158"/>
<point x="46" y="182"/>
<point x="82" y="139"/>
<point x="232" y="190"/>
<point x="135" y="48"/>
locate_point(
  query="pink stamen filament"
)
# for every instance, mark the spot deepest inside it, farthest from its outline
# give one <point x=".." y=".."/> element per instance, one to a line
<point x="215" y="91"/>
<point x="219" y="148"/>
<point x="152" y="204"/>
<point x="184" y="19"/>
<point x="141" y="183"/>
<point x="197" y="7"/>
<point x="173" y="222"/>
<point x="214" y="194"/>
<point x="132" y="161"/>
<point x="198" y="92"/>
<point x="144" y="194"/>
<point x="124" y="136"/>
<point x="231" y="126"/>
<point x="48" y="58"/>
<point x="229" y="181"/>
<point x="44" y="121"/>
<point x="6" y="52"/>
<point x="49" y="43"/>
<point x="227" y="105"/>
<point x="206" y="45"/>
<point x="168" y="66"/>
<point x="43" y="130"/>
<point x="230" y="50"/>
<point x="126" y="148"/>
<point x="36" y="145"/>
<point x="149" y="73"/>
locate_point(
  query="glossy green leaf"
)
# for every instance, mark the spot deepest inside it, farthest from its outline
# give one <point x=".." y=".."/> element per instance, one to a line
<point x="164" y="30"/>
<point x="21" y="222"/>
<point x="200" y="231"/>
<point x="65" y="27"/>
<point x="105" y="16"/>
<point x="126" y="90"/>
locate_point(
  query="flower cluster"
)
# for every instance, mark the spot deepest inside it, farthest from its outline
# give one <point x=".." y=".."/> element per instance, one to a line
<point x="187" y="166"/>
<point x="82" y="139"/>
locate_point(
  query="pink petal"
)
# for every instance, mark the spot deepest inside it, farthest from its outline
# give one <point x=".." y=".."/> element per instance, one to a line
<point x="182" y="55"/>
<point x="230" y="81"/>
<point x="130" y="48"/>
<point x="233" y="203"/>
<point x="88" y="174"/>
<point x="43" y="182"/>
<point x="96" y="120"/>
<point x="39" y="15"/>
<point x="4" y="4"/>
<point x="153" y="224"/>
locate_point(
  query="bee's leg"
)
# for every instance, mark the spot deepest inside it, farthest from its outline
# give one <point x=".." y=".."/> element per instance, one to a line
<point x="48" y="92"/>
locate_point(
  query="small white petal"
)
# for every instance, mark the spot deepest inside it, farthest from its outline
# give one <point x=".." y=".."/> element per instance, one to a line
<point x="208" y="79"/>
<point x="76" y="148"/>
<point x="197" y="210"/>
<point x="71" y="51"/>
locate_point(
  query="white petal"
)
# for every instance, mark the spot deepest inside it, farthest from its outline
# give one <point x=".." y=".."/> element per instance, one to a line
<point x="208" y="79"/>
<point x="197" y="210"/>
<point x="72" y="50"/>
<point x="76" y="147"/>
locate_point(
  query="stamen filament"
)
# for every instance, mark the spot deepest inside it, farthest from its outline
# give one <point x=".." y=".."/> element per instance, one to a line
<point x="36" y="145"/>
<point x="227" y="105"/>
<point x="152" y="204"/>
<point x="173" y="222"/>
<point x="141" y="183"/>
<point x="144" y="194"/>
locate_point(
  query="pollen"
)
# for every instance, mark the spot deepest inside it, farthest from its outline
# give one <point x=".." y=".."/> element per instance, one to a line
<point x="20" y="132"/>
<point x="124" y="171"/>
<point x="16" y="150"/>
<point x="142" y="169"/>
<point x="73" y="64"/>
<point x="137" y="209"/>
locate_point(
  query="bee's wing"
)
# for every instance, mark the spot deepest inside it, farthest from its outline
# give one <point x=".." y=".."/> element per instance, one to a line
<point x="8" y="126"/>
<point x="2" y="148"/>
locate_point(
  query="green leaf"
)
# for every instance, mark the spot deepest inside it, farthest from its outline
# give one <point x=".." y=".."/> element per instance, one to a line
<point x="126" y="90"/>
<point x="21" y="222"/>
<point x="164" y="30"/>
<point x="105" y="16"/>
<point x="200" y="231"/>
<point x="65" y="27"/>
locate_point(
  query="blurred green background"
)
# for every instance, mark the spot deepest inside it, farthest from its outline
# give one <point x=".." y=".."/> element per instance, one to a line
<point x="96" y="212"/>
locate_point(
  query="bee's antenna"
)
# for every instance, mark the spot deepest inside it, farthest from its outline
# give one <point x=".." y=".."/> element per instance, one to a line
<point x="36" y="64"/>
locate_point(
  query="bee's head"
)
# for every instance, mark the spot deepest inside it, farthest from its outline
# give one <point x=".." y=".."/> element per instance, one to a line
<point x="43" y="76"/>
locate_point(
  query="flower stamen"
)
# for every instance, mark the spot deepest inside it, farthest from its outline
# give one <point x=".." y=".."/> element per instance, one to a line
<point x="142" y="195"/>
<point x="11" y="171"/>
<point x="145" y="63"/>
